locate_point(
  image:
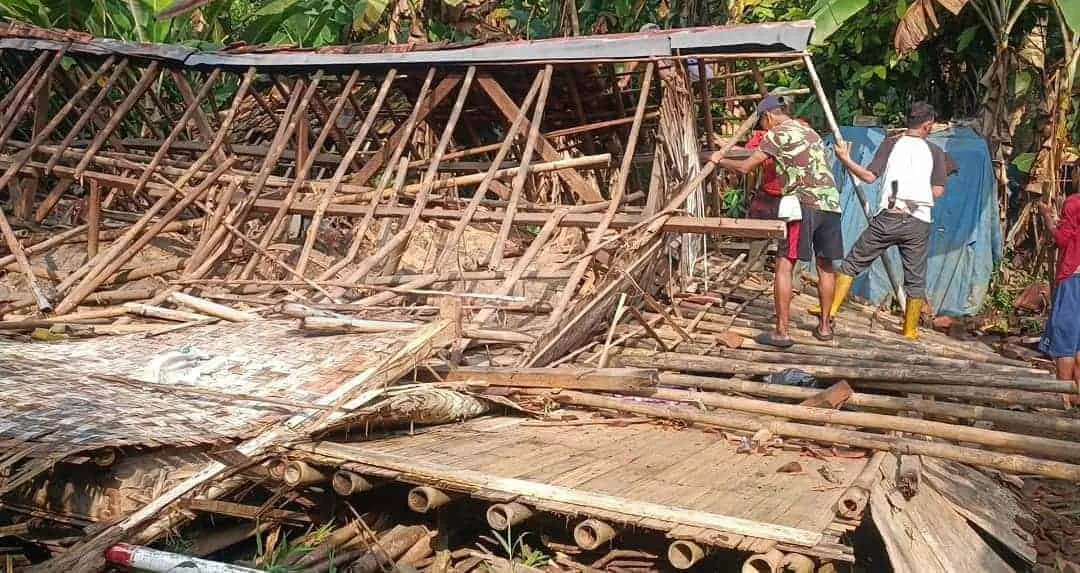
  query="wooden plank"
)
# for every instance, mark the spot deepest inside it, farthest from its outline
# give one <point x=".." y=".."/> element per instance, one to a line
<point x="575" y="378"/>
<point x="925" y="535"/>
<point x="982" y="501"/>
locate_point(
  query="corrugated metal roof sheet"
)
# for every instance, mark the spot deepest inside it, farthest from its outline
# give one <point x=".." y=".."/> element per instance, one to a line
<point x="747" y="39"/>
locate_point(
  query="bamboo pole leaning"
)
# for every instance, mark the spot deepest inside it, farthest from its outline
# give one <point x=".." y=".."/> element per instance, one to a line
<point x="1012" y="463"/>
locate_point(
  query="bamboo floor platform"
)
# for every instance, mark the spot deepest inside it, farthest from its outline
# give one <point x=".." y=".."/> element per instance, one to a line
<point x="686" y="482"/>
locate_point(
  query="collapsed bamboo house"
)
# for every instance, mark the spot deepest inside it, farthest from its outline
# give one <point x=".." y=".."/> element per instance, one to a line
<point x="252" y="276"/>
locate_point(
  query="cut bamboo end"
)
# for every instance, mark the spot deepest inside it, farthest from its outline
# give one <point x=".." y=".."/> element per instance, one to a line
<point x="592" y="533"/>
<point x="771" y="562"/>
<point x="798" y="563"/>
<point x="106" y="457"/>
<point x="684" y="554"/>
<point x="275" y="468"/>
<point x="349" y="483"/>
<point x="504" y="515"/>
<point x="424" y="499"/>
<point x="299" y="473"/>
<point x="852" y="503"/>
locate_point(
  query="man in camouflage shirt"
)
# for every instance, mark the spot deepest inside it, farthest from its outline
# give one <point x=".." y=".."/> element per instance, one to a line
<point x="804" y="172"/>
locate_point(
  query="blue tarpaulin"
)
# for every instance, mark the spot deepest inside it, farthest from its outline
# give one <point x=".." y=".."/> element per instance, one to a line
<point x="965" y="241"/>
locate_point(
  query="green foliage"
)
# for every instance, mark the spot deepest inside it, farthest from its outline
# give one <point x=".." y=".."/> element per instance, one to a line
<point x="516" y="549"/>
<point x="733" y="202"/>
<point x="1070" y="9"/>
<point x="829" y="15"/>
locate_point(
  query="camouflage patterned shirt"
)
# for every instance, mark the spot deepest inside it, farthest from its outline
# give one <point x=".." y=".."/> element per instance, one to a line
<point x="801" y="165"/>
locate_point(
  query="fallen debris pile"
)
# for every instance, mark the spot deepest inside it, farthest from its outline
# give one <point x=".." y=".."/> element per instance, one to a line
<point x="365" y="309"/>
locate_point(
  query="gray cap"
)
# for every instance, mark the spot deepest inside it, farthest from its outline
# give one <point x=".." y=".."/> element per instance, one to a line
<point x="770" y="102"/>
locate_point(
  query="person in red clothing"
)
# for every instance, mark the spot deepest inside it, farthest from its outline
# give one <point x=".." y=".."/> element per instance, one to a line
<point x="765" y="203"/>
<point x="1061" y="340"/>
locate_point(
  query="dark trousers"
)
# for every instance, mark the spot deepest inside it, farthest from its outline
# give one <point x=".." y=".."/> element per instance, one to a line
<point x="909" y="234"/>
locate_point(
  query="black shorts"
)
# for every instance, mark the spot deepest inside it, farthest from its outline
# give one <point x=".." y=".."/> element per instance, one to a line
<point x="818" y="235"/>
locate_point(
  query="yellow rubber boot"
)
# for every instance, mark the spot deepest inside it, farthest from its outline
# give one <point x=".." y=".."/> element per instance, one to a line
<point x="911" y="318"/>
<point x="843" y="287"/>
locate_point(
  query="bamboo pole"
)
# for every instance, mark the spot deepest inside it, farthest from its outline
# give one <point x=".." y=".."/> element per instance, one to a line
<point x="570" y="289"/>
<point x="1010" y="418"/>
<point x="16" y="248"/>
<point x="1006" y="462"/>
<point x="451" y="242"/>
<point x="890" y="268"/>
<point x="683" y="554"/>
<point x="89" y="113"/>
<point x="1004" y="396"/>
<point x="797" y="563"/>
<point x="388" y="549"/>
<point x="339" y="173"/>
<point x="1047" y="448"/>
<point x="299" y="473"/>
<point x="495" y="258"/>
<point x="402" y="236"/>
<point x="592" y="533"/>
<point x="93" y="220"/>
<point x="22" y="104"/>
<point x="54" y="122"/>
<point x="348" y="483"/>
<point x="503" y="516"/>
<point x="211" y="308"/>
<point x="274" y="226"/>
<point x="111" y="262"/>
<point x="749" y="363"/>
<point x="149" y="75"/>
<point x="152" y="311"/>
<point x="423" y="499"/>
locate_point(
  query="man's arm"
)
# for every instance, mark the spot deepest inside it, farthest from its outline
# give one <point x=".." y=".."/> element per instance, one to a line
<point x="1047" y="213"/>
<point x="843" y="153"/>
<point x="741" y="166"/>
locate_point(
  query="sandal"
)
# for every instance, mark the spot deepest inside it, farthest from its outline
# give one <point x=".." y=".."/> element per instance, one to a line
<point x="768" y="339"/>
<point x="823" y="337"/>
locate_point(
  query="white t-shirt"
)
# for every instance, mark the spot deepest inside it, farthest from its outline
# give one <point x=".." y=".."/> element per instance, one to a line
<point x="916" y="165"/>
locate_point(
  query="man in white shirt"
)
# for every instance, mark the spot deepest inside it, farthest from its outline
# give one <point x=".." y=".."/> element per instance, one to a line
<point x="913" y="173"/>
